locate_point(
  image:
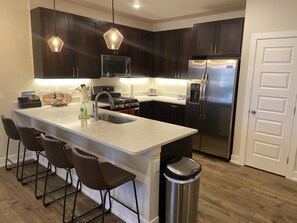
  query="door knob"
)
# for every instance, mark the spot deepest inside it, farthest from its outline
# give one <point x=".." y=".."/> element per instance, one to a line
<point x="254" y="112"/>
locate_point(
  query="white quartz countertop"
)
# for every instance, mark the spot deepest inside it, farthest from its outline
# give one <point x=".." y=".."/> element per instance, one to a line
<point x="134" y="138"/>
<point x="166" y="99"/>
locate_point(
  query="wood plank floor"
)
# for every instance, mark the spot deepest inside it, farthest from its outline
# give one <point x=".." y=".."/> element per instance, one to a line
<point x="231" y="193"/>
<point x="228" y="193"/>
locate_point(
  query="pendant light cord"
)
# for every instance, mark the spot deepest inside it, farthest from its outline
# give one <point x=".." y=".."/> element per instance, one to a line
<point x="113" y="14"/>
<point x="55" y="17"/>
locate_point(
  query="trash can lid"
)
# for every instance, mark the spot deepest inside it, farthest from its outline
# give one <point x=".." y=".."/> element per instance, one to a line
<point x="182" y="168"/>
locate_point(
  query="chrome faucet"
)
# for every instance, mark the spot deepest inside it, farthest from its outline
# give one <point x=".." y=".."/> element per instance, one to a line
<point x="95" y="105"/>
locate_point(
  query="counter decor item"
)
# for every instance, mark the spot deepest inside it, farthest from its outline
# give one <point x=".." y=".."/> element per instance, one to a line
<point x="57" y="99"/>
<point x="152" y="92"/>
<point x="84" y="93"/>
<point x="29" y="100"/>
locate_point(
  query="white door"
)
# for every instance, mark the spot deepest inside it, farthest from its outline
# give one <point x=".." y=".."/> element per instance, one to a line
<point x="272" y="104"/>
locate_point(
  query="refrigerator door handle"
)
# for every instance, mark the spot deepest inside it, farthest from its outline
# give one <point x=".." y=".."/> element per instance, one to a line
<point x="202" y="98"/>
<point x="204" y="95"/>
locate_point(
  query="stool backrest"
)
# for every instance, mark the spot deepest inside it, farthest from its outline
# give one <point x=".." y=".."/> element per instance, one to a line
<point x="88" y="170"/>
<point x="55" y="152"/>
<point x="10" y="128"/>
<point x="29" y="139"/>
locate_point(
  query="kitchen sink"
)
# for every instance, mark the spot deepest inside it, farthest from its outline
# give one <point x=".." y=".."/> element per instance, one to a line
<point x="114" y="119"/>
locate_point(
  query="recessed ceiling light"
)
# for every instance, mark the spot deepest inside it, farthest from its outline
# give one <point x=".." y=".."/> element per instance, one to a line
<point x="136" y="4"/>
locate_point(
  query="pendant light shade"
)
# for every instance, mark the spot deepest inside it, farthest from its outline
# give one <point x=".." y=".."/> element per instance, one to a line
<point x="113" y="38"/>
<point x="55" y="43"/>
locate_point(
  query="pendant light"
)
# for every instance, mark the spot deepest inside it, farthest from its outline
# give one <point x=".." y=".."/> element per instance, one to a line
<point x="55" y="42"/>
<point x="113" y="38"/>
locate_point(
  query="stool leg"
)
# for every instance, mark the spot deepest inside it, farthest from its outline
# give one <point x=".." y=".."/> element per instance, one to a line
<point x="23" y="165"/>
<point x="65" y="194"/>
<point x="45" y="185"/>
<point x="104" y="202"/>
<point x="74" y="202"/>
<point x="18" y="161"/>
<point x="6" y="157"/>
<point x="135" y="194"/>
<point x="36" y="176"/>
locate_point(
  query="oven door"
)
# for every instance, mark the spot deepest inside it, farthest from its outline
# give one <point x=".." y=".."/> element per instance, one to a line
<point x="131" y="111"/>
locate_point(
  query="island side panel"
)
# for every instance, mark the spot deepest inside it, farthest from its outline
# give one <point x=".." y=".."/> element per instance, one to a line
<point x="179" y="148"/>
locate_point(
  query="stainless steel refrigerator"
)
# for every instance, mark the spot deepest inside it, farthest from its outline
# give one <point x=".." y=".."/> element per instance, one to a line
<point x="210" y="104"/>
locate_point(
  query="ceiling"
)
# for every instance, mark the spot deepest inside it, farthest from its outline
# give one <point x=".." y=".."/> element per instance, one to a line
<point x="165" y="10"/>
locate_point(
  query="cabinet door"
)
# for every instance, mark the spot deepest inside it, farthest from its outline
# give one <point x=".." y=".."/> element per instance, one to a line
<point x="166" y="54"/>
<point x="146" y="110"/>
<point x="158" y="53"/>
<point x="86" y="47"/>
<point x="125" y="47"/>
<point x="204" y="38"/>
<point x="46" y="63"/>
<point x="171" y="54"/>
<point x="138" y="45"/>
<point x="185" y="51"/>
<point x="103" y="27"/>
<point x="229" y="37"/>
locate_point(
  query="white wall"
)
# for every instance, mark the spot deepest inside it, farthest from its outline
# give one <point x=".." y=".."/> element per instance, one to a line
<point x="261" y="16"/>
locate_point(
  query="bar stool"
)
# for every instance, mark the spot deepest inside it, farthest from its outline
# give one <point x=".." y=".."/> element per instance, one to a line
<point x="60" y="157"/>
<point x="12" y="133"/>
<point x="100" y="176"/>
<point x="32" y="143"/>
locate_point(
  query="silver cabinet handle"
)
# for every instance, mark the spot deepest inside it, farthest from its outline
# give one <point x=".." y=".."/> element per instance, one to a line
<point x="254" y="112"/>
<point x="215" y="48"/>
<point x="73" y="74"/>
<point x="77" y="72"/>
<point x="211" y="48"/>
<point x="173" y="106"/>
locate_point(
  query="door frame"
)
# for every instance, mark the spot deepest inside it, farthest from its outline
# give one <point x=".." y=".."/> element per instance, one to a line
<point x="290" y="172"/>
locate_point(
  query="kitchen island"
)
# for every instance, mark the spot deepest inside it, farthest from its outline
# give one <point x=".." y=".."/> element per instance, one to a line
<point x="135" y="146"/>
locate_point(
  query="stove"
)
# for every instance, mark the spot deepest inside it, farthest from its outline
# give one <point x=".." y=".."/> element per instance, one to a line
<point x="120" y="103"/>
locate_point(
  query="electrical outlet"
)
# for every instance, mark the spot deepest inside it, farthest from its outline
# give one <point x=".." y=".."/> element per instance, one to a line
<point x="1" y="96"/>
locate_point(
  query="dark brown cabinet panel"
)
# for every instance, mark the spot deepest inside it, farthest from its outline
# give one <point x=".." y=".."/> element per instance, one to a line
<point x="185" y="52"/>
<point x="85" y="46"/>
<point x="139" y="48"/>
<point x="164" y="112"/>
<point x="172" y="51"/>
<point x="222" y="38"/>
<point x="78" y="56"/>
<point x="46" y="63"/>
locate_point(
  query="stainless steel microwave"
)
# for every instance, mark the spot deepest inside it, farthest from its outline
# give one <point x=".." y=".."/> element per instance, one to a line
<point x="115" y="66"/>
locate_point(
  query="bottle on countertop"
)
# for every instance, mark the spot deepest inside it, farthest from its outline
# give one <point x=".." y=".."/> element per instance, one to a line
<point x="83" y="110"/>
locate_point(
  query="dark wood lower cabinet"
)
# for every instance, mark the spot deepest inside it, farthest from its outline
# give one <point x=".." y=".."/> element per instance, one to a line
<point x="164" y="112"/>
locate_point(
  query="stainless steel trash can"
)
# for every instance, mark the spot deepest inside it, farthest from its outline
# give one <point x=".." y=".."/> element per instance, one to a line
<point x="182" y="190"/>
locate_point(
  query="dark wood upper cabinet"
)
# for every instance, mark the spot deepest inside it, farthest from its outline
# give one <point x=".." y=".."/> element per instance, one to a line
<point x="86" y="47"/>
<point x="222" y="38"/>
<point x="78" y="56"/>
<point x="173" y="49"/>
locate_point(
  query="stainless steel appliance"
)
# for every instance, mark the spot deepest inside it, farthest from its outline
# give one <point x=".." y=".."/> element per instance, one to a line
<point x="115" y="66"/>
<point x="126" y="105"/>
<point x="210" y="104"/>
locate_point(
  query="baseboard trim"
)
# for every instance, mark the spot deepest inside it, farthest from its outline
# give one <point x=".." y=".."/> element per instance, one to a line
<point x="235" y="159"/>
<point x="13" y="158"/>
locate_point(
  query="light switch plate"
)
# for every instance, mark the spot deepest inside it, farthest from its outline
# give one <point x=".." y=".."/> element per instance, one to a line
<point x="1" y="96"/>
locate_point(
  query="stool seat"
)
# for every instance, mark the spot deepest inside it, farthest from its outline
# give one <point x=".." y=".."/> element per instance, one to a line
<point x="102" y="176"/>
<point x="115" y="176"/>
